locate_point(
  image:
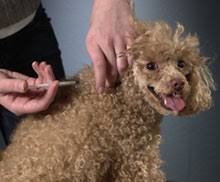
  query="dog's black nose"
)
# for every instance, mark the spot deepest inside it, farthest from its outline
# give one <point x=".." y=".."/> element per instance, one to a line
<point x="177" y="84"/>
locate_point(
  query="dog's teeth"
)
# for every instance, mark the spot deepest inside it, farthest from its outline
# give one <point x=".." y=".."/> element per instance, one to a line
<point x="165" y="101"/>
<point x="175" y="94"/>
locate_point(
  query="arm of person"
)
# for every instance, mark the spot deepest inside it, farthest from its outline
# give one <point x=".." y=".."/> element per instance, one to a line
<point x="110" y="34"/>
<point x="17" y="98"/>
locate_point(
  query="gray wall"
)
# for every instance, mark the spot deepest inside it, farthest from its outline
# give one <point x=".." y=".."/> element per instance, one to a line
<point x="190" y="146"/>
<point x="70" y="19"/>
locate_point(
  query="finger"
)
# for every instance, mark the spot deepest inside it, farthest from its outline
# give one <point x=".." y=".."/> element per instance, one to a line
<point x="13" y="74"/>
<point x="36" y="67"/>
<point x="13" y="85"/>
<point x="43" y="66"/>
<point x="111" y="66"/>
<point x="121" y="58"/>
<point x="49" y="96"/>
<point x="49" y="73"/>
<point x="43" y="69"/>
<point x="43" y="102"/>
<point x="130" y="58"/>
<point x="99" y="66"/>
<point x="16" y="75"/>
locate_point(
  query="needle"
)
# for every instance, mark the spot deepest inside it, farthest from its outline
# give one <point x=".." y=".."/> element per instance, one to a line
<point x="46" y="85"/>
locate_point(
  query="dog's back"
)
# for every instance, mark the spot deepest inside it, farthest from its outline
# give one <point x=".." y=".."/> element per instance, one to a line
<point x="83" y="137"/>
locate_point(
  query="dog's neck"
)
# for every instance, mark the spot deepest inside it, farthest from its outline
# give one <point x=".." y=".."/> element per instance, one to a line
<point x="130" y="90"/>
<point x="132" y="96"/>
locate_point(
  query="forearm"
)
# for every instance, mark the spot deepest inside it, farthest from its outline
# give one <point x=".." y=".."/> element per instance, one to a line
<point x="116" y="4"/>
<point x="127" y="1"/>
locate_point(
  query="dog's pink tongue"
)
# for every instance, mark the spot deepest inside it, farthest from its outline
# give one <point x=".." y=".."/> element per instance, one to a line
<point x="174" y="103"/>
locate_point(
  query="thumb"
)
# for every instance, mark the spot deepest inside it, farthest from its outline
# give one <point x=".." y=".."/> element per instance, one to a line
<point x="8" y="85"/>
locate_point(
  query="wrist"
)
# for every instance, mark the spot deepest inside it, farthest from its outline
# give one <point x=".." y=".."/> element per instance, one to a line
<point x="129" y="2"/>
<point x="126" y="5"/>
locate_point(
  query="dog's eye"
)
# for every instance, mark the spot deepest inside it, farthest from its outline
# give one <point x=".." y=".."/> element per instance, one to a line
<point x="181" y="64"/>
<point x="152" y="66"/>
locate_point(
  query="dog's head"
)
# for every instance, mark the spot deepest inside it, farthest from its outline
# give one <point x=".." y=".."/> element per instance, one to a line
<point x="170" y="71"/>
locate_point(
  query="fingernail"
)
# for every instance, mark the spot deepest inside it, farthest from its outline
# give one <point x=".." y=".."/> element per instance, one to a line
<point x="100" y="90"/>
<point x="34" y="63"/>
<point x="108" y="85"/>
<point x="24" y="86"/>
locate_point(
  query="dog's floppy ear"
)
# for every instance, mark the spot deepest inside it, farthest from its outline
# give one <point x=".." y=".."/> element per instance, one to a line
<point x="202" y="86"/>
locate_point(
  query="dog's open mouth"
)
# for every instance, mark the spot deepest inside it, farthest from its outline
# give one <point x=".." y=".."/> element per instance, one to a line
<point x="171" y="101"/>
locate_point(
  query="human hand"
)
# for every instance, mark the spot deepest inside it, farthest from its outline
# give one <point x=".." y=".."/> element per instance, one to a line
<point x="111" y="33"/>
<point x="15" y="95"/>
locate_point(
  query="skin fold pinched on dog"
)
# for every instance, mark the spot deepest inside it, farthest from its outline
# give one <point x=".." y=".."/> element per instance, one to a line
<point x="115" y="136"/>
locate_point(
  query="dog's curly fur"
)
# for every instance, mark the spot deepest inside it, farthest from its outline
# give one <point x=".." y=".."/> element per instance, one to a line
<point x="114" y="136"/>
